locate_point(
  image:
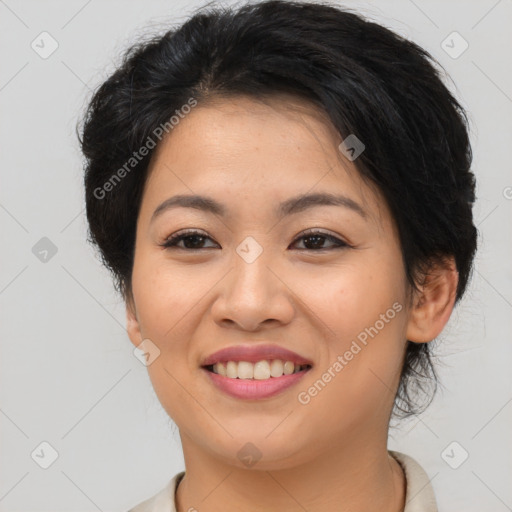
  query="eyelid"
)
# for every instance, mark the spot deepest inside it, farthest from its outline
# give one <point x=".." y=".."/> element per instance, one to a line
<point x="177" y="237"/>
<point x="336" y="239"/>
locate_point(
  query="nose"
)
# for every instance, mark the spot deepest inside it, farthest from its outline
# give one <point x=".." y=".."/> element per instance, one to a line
<point x="253" y="296"/>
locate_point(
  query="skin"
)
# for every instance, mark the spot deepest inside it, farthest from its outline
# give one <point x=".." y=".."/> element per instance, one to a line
<point x="330" y="454"/>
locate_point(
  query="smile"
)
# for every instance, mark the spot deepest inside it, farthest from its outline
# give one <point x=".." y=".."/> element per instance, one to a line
<point x="261" y="370"/>
<point x="263" y="379"/>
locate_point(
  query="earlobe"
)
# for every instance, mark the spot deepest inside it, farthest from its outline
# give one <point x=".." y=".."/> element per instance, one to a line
<point x="132" y="323"/>
<point x="433" y="306"/>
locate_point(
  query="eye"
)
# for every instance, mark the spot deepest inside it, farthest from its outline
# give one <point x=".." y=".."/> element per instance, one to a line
<point x="316" y="238"/>
<point x="194" y="240"/>
<point x="191" y="238"/>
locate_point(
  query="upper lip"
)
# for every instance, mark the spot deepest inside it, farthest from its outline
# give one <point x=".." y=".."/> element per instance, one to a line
<point x="253" y="354"/>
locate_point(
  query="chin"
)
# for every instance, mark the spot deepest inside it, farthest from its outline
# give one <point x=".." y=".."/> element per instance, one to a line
<point x="259" y="452"/>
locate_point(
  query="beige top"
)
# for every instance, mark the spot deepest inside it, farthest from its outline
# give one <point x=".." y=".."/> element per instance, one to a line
<point x="419" y="495"/>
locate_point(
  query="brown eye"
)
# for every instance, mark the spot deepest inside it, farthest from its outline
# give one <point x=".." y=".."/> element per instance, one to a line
<point x="195" y="240"/>
<point x="314" y="240"/>
<point x="192" y="240"/>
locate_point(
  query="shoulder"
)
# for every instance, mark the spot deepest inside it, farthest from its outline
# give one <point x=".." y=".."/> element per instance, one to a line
<point x="419" y="495"/>
<point x="162" y="501"/>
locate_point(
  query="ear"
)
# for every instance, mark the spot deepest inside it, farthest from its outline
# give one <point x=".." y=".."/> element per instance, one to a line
<point x="132" y="323"/>
<point x="432" y="307"/>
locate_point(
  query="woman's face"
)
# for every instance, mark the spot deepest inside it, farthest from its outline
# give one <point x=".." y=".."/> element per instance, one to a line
<point x="336" y="300"/>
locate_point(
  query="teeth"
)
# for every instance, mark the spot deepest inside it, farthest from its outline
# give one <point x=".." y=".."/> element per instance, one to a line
<point x="261" y="370"/>
<point x="220" y="368"/>
<point x="245" y="370"/>
<point x="276" y="368"/>
<point x="231" y="369"/>
<point x="288" y="368"/>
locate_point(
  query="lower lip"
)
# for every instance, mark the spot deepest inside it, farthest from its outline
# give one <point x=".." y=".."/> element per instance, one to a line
<point x="250" y="389"/>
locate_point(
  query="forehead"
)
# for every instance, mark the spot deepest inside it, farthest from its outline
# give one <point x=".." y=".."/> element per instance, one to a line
<point x="262" y="151"/>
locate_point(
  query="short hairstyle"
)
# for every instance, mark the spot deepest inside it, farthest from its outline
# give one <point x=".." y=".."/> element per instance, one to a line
<point x="370" y="81"/>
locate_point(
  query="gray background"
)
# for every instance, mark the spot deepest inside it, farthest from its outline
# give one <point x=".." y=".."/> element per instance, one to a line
<point x="68" y="373"/>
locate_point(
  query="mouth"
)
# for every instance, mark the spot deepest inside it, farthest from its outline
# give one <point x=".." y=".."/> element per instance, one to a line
<point x="244" y="380"/>
<point x="255" y="371"/>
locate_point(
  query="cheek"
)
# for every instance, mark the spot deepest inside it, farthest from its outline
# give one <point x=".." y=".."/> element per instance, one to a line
<point x="353" y="298"/>
<point x="169" y="307"/>
<point x="167" y="300"/>
<point x="363" y="315"/>
<point x="355" y="383"/>
<point x="169" y="304"/>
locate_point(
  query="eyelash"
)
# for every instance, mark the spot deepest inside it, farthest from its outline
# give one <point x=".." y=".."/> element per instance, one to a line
<point x="172" y="241"/>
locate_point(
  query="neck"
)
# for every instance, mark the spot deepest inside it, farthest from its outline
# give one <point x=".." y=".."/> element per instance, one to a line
<point x="356" y="477"/>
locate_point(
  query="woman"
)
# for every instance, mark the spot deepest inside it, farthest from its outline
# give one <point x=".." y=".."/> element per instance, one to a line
<point x="284" y="197"/>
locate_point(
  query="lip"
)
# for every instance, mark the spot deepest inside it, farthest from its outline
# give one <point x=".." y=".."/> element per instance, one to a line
<point x="253" y="354"/>
<point x="249" y="389"/>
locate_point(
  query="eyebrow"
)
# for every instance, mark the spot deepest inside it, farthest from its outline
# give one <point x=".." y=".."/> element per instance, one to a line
<point x="289" y="207"/>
